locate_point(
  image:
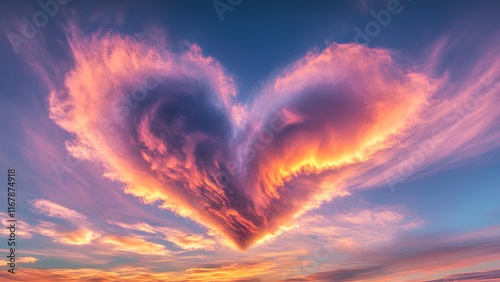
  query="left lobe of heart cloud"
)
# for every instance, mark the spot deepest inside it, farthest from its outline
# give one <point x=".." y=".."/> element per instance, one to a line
<point x="162" y="123"/>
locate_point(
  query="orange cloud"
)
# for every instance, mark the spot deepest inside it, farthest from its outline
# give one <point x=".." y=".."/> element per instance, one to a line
<point x="26" y="232"/>
<point x="184" y="240"/>
<point x="21" y="260"/>
<point x="168" y="126"/>
<point x="135" y="245"/>
<point x="187" y="241"/>
<point x="81" y="236"/>
<point x="141" y="226"/>
<point x="231" y="272"/>
<point x="55" y="210"/>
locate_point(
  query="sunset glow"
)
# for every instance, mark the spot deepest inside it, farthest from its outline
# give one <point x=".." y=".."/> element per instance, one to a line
<point x="168" y="141"/>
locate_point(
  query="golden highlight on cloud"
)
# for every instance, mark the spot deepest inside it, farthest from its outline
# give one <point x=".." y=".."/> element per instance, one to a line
<point x="134" y="244"/>
<point x="169" y="127"/>
<point x="76" y="231"/>
<point x="22" y="260"/>
<point x="181" y="239"/>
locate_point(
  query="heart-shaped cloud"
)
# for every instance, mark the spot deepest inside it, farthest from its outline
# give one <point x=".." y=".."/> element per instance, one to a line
<point x="169" y="126"/>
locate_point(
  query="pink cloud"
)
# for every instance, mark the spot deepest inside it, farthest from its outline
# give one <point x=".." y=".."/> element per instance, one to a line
<point x="182" y="239"/>
<point x="417" y="259"/>
<point x="55" y="210"/>
<point x="167" y="125"/>
<point x="134" y="244"/>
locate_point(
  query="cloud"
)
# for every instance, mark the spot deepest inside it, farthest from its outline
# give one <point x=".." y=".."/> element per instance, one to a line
<point x="26" y="232"/>
<point x="61" y="234"/>
<point x="491" y="275"/>
<point x="78" y="237"/>
<point x="30" y="274"/>
<point x="76" y="231"/>
<point x="168" y="126"/>
<point x="227" y="272"/>
<point x="141" y="226"/>
<point x="424" y="258"/>
<point x="429" y="256"/>
<point x="134" y="244"/>
<point x="230" y="272"/>
<point x="22" y="260"/>
<point x="187" y="241"/>
<point x="354" y="274"/>
<point x="357" y="228"/>
<point x="55" y="210"/>
<point x="182" y="239"/>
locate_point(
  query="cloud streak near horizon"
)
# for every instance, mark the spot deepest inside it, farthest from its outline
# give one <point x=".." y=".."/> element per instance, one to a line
<point x="168" y="125"/>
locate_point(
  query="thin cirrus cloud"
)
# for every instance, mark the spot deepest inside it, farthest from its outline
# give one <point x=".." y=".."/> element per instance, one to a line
<point x="79" y="231"/>
<point x="230" y="272"/>
<point x="135" y="244"/>
<point x="428" y="256"/>
<point x="356" y="229"/>
<point x="491" y="275"/>
<point x="26" y="232"/>
<point x="169" y="127"/>
<point x="182" y="239"/>
<point x="76" y="231"/>
<point x="22" y="260"/>
<point x="55" y="210"/>
<point x="61" y="234"/>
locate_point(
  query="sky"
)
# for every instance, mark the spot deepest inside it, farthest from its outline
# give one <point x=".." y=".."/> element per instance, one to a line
<point x="238" y="140"/>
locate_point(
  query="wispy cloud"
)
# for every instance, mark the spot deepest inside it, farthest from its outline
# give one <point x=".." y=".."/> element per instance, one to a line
<point x="491" y="275"/>
<point x="82" y="236"/>
<point x="335" y="120"/>
<point x="135" y="244"/>
<point x="299" y="101"/>
<point x="21" y="260"/>
<point x="169" y="127"/>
